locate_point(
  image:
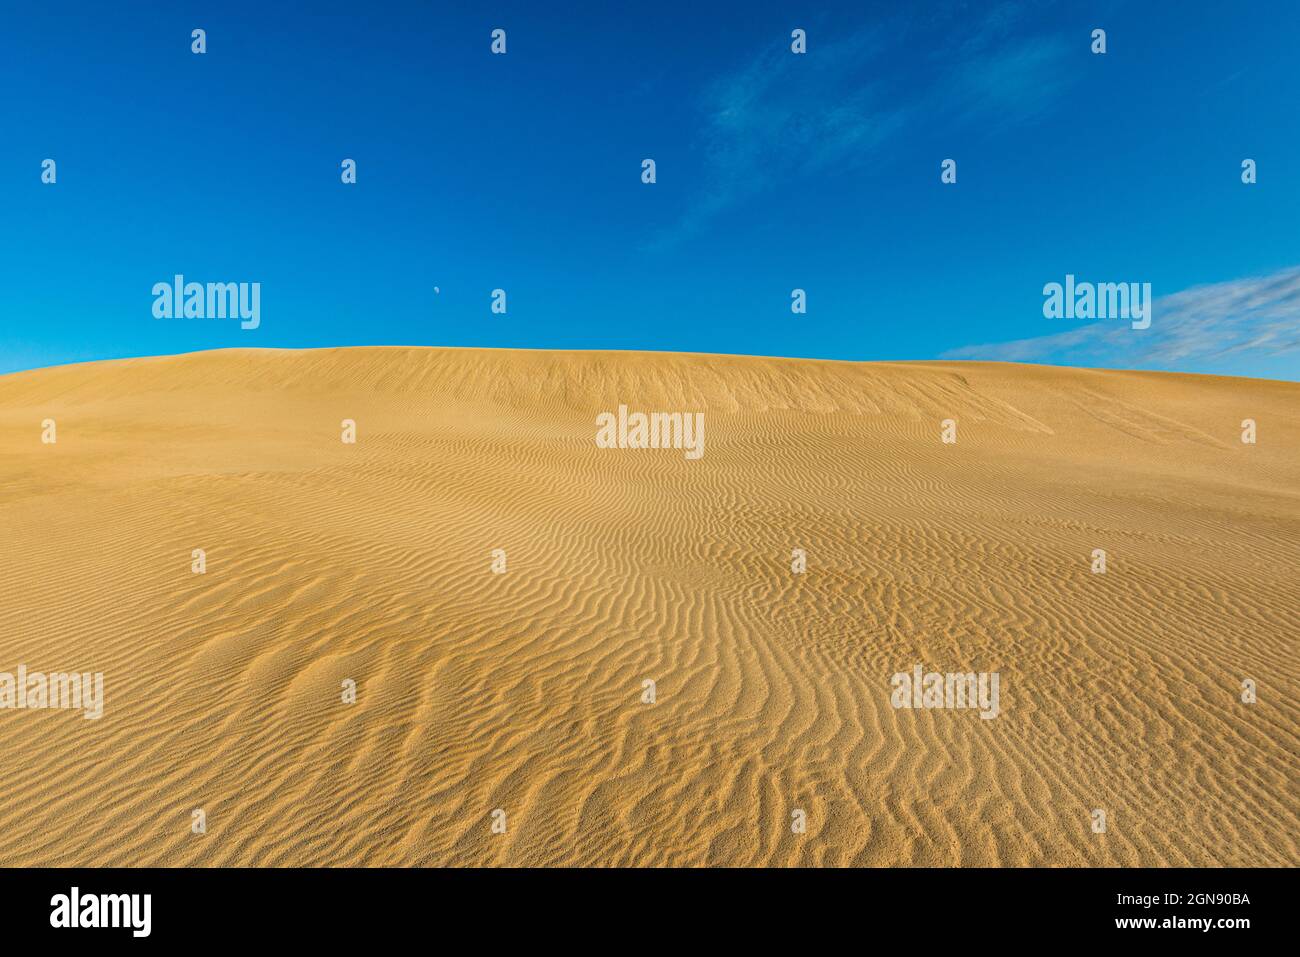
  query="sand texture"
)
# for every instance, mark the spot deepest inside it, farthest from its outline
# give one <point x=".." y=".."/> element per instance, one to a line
<point x="522" y="691"/>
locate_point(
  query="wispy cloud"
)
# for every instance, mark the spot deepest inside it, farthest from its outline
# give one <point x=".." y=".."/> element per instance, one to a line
<point x="1249" y="318"/>
<point x="781" y="117"/>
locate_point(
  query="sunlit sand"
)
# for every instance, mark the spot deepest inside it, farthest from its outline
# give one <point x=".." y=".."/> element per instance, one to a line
<point x="524" y="691"/>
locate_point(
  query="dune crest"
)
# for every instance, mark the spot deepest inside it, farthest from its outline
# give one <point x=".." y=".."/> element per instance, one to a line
<point x="525" y="691"/>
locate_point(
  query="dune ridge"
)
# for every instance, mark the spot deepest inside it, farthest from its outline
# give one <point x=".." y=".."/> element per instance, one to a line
<point x="522" y="691"/>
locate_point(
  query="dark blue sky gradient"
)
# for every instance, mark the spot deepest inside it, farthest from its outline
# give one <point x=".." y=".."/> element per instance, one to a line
<point x="523" y="172"/>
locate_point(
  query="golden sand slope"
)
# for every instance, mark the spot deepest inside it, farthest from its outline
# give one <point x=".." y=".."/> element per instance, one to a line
<point x="522" y="691"/>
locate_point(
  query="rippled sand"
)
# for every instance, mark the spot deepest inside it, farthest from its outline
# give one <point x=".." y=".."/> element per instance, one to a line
<point x="523" y="692"/>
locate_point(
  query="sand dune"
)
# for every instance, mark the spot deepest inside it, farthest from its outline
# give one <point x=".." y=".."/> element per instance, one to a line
<point x="522" y="691"/>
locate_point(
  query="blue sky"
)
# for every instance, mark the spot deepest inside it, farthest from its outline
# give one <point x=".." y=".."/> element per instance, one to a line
<point x="775" y="171"/>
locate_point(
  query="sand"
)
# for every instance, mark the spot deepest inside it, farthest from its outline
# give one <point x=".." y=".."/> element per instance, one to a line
<point x="523" y="691"/>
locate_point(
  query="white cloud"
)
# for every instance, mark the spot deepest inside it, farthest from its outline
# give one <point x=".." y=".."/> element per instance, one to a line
<point x="1251" y="318"/>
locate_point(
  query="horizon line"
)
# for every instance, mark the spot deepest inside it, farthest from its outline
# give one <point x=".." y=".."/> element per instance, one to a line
<point x="634" y="352"/>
